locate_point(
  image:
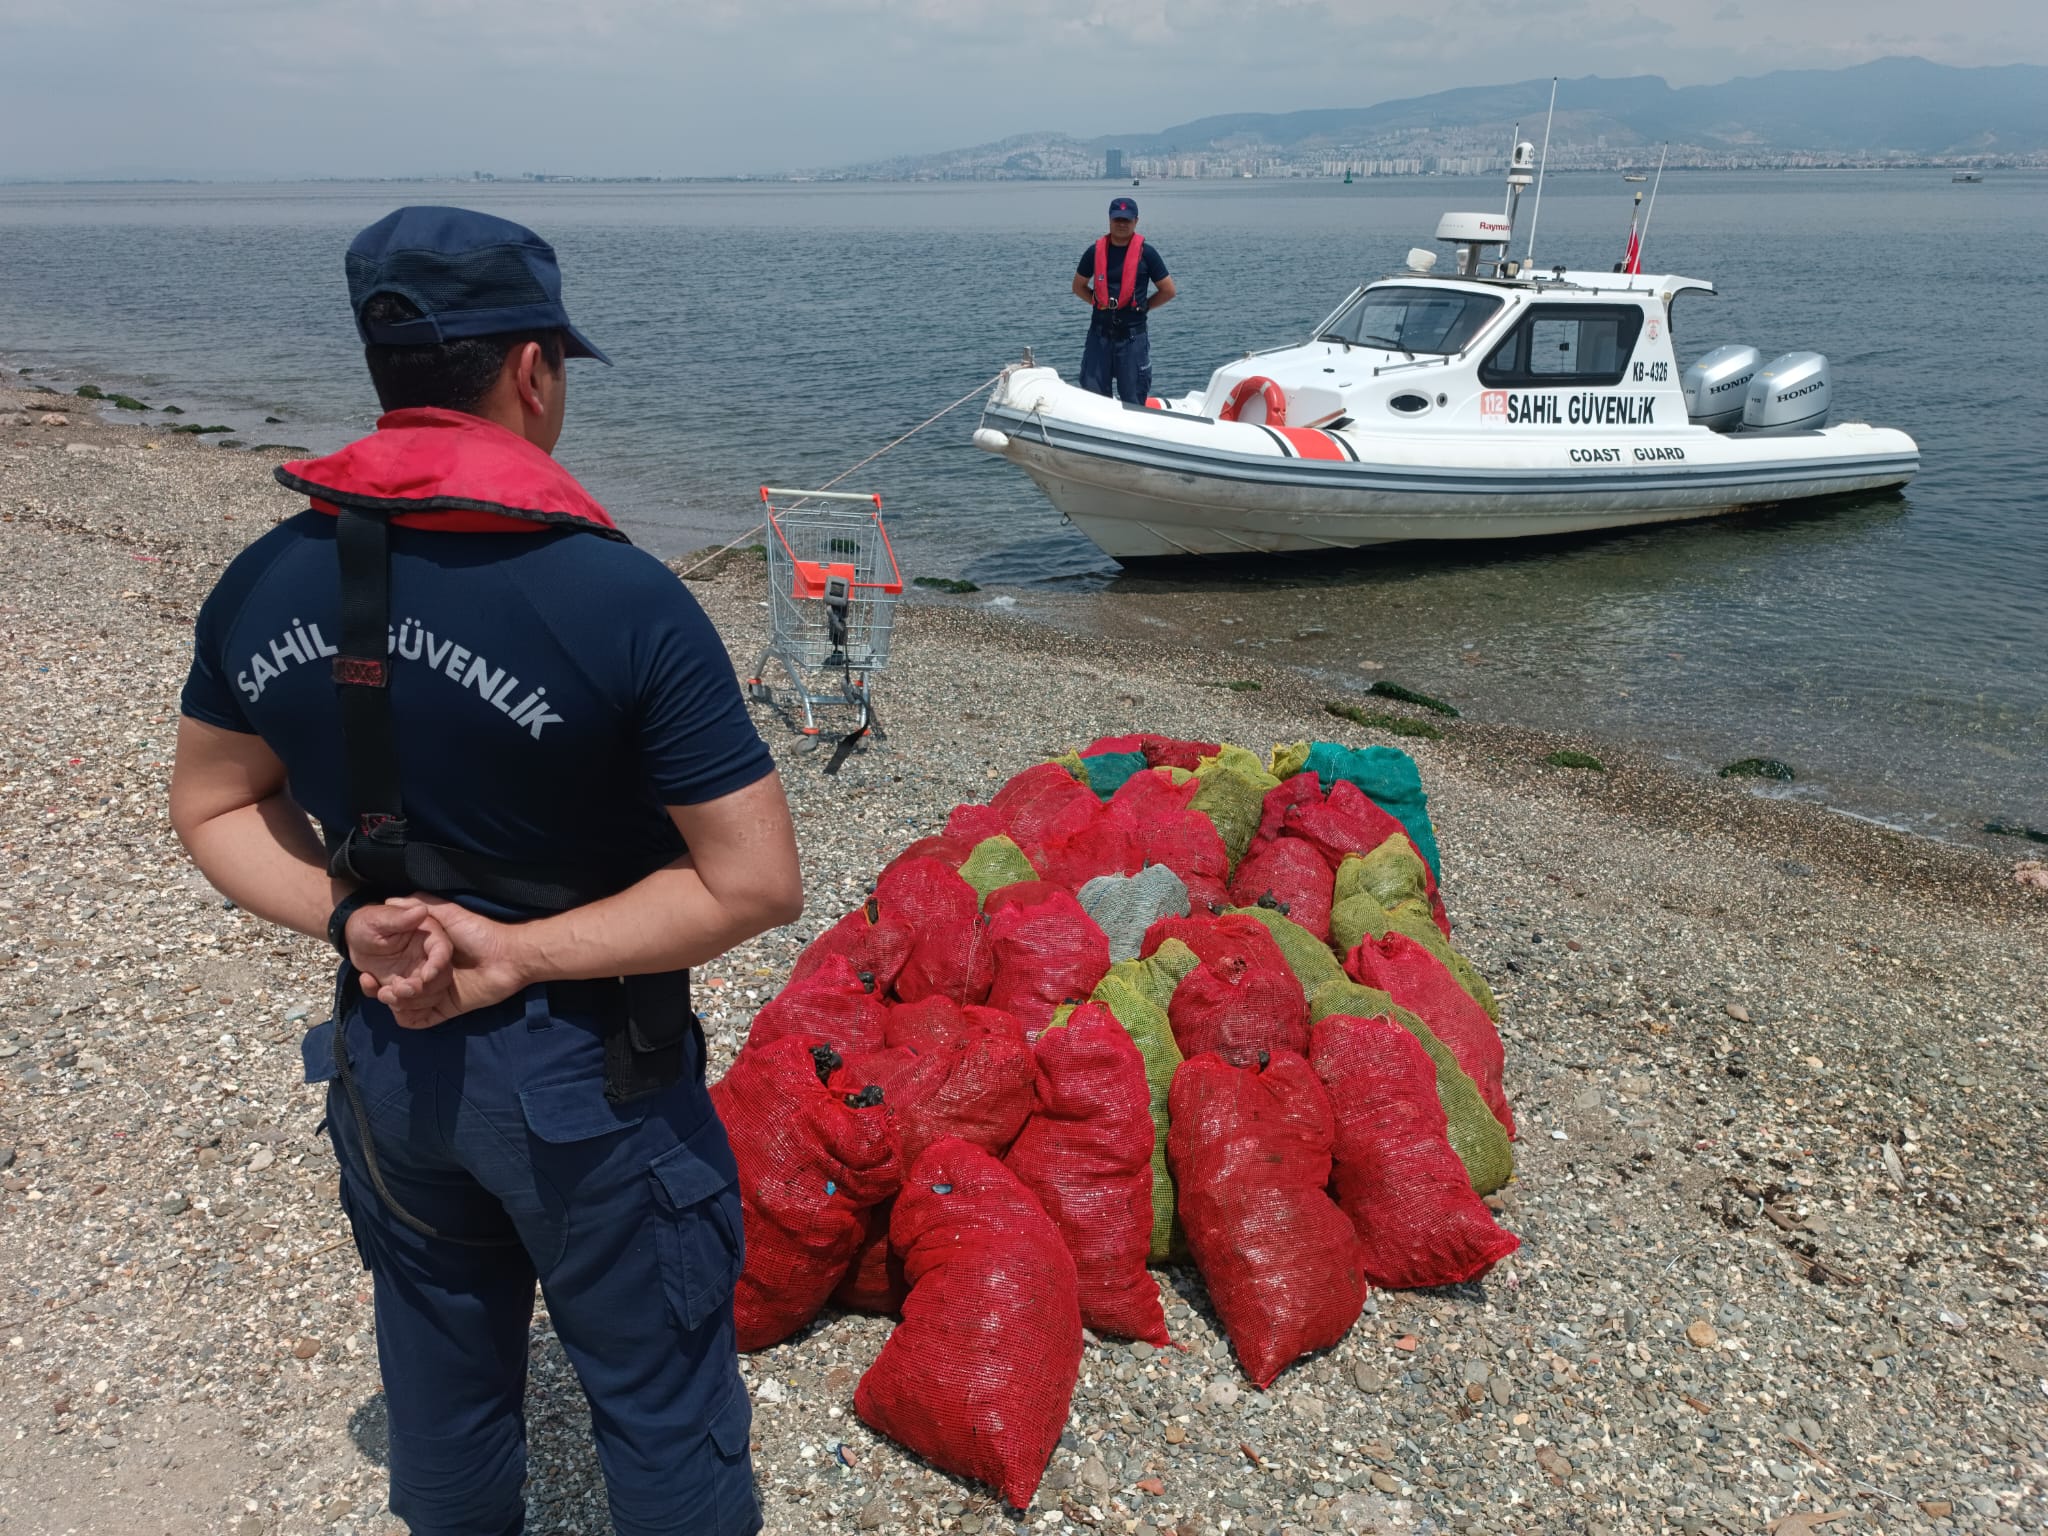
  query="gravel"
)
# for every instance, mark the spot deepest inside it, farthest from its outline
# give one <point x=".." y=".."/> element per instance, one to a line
<point x="1781" y="1078"/>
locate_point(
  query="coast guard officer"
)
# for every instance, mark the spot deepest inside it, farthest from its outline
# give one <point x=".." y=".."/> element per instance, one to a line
<point x="1114" y="275"/>
<point x="541" y="800"/>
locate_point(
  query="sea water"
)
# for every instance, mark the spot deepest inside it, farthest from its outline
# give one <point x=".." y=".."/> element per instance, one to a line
<point x="1890" y="647"/>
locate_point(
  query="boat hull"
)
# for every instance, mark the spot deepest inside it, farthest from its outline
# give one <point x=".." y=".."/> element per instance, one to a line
<point x="1146" y="484"/>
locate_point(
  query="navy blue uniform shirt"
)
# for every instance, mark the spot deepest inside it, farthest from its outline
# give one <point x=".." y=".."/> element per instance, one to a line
<point x="553" y="691"/>
<point x="1151" y="270"/>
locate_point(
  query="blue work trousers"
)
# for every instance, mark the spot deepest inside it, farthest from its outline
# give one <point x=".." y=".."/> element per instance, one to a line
<point x="495" y="1127"/>
<point x="1119" y="358"/>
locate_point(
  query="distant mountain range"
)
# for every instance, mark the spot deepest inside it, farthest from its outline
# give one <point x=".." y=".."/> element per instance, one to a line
<point x="1898" y="108"/>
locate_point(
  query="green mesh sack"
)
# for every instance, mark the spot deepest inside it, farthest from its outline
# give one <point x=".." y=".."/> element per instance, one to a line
<point x="1136" y="992"/>
<point x="1233" y="796"/>
<point x="995" y="863"/>
<point x="1306" y="955"/>
<point x="1288" y="759"/>
<point x="1357" y="915"/>
<point x="1482" y="1146"/>
<point x="1073" y="763"/>
<point x="1394" y="873"/>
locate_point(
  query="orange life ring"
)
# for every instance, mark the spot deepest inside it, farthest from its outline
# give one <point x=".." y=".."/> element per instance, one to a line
<point x="1266" y="389"/>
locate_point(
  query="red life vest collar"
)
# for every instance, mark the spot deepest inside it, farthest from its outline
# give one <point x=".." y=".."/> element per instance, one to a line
<point x="1127" y="294"/>
<point x="448" y="471"/>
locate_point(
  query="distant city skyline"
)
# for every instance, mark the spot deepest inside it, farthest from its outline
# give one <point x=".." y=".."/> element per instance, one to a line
<point x="239" y="88"/>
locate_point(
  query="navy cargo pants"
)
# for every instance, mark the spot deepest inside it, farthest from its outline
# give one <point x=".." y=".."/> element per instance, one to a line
<point x="1121" y="358"/>
<point x="495" y="1127"/>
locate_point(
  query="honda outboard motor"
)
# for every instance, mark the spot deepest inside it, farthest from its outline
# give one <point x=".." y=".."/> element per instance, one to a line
<point x="1716" y="385"/>
<point x="1790" y="394"/>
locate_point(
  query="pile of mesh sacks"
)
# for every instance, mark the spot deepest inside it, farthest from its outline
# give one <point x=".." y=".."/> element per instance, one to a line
<point x="1157" y="1001"/>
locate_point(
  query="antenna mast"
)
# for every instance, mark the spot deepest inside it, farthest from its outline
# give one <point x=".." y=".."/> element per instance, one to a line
<point x="1653" y="196"/>
<point x="1537" y="212"/>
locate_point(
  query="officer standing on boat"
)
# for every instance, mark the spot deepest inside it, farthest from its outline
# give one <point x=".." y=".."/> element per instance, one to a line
<point x="1114" y="275"/>
<point x="542" y="799"/>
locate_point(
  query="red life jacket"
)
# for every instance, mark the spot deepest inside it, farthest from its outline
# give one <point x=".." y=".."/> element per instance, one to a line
<point x="1127" y="293"/>
<point x="445" y="470"/>
<point x="454" y="473"/>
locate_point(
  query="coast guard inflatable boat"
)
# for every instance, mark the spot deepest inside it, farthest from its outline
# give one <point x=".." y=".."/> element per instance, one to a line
<point x="1490" y="401"/>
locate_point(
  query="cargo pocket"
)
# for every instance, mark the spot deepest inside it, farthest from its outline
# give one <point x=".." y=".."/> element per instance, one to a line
<point x="316" y="1053"/>
<point x="697" y="1231"/>
<point x="732" y="1424"/>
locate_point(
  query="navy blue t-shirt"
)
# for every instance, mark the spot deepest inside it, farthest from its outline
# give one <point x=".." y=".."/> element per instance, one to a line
<point x="553" y="692"/>
<point x="1151" y="270"/>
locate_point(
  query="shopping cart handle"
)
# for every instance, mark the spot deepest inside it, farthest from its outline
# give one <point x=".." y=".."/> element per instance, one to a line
<point x="770" y="491"/>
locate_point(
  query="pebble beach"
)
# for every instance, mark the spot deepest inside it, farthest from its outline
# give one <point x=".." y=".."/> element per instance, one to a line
<point x="1780" y="1075"/>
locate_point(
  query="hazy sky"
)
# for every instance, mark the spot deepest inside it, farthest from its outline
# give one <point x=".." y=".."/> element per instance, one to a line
<point x="385" y="87"/>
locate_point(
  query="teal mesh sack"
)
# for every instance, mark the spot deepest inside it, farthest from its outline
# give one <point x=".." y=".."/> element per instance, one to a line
<point x="1106" y="771"/>
<point x="1390" y="780"/>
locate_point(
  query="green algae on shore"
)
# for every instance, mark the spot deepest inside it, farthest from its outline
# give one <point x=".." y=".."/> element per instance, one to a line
<point x="944" y="583"/>
<point x="1568" y="759"/>
<point x="1387" y="690"/>
<point x="1759" y="768"/>
<point x="1379" y="720"/>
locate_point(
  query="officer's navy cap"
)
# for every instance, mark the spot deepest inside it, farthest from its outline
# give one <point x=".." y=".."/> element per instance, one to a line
<point x="470" y="274"/>
<point x="1123" y="208"/>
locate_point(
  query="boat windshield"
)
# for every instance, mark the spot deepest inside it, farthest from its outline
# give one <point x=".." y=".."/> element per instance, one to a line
<point x="1434" y="320"/>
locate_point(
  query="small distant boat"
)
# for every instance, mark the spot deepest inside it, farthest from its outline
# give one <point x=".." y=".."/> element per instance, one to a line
<point x="1633" y="176"/>
<point x="1969" y="176"/>
<point x="1347" y="178"/>
<point x="1134" y="181"/>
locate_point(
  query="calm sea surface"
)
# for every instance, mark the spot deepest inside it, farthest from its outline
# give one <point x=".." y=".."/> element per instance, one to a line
<point x="1894" y="649"/>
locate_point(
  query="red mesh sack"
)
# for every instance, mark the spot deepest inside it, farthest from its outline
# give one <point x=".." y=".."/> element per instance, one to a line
<point x="978" y="1087"/>
<point x="1290" y="872"/>
<point x="1242" y="999"/>
<point x="1301" y="789"/>
<point x="925" y="1023"/>
<point x="1086" y="1153"/>
<point x="1250" y="1150"/>
<point x="810" y="1163"/>
<point x="948" y="954"/>
<point x="978" y="1376"/>
<point x="1346" y="822"/>
<point x="1048" y="951"/>
<point x="832" y="1003"/>
<point x="1421" y="983"/>
<point x="1091" y="845"/>
<point x="872" y="941"/>
<point x="1350" y="822"/>
<point x="973" y="825"/>
<point x="874" y="1279"/>
<point x="1419" y="1223"/>
<point x="1043" y="805"/>
<point x="1160" y="751"/>
<point x="1165" y="831"/>
<point x="949" y="851"/>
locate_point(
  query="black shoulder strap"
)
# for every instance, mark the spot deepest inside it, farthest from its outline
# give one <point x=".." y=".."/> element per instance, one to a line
<point x="378" y="850"/>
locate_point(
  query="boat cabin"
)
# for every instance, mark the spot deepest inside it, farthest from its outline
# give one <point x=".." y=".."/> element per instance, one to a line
<point x="1418" y="351"/>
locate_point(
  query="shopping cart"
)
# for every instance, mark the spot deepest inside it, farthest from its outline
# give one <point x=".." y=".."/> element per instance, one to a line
<point x="833" y="583"/>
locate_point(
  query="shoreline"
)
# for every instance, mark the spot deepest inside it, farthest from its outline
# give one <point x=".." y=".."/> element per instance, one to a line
<point x="1152" y="599"/>
<point x="1783" y="1081"/>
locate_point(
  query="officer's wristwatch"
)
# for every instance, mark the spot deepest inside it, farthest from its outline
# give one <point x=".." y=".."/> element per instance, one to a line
<point x="337" y="921"/>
